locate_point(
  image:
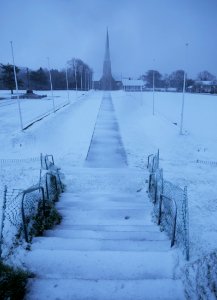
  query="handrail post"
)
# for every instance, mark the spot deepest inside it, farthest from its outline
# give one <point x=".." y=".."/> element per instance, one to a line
<point x="22" y="208"/>
<point x="174" y="227"/>
<point x="2" y="219"/>
<point x="160" y="209"/>
<point x="24" y="219"/>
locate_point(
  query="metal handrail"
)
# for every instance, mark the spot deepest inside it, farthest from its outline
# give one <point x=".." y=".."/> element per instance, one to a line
<point x="149" y="157"/>
<point x="46" y="183"/>
<point x="47" y="160"/>
<point x="175" y="216"/>
<point x="28" y="191"/>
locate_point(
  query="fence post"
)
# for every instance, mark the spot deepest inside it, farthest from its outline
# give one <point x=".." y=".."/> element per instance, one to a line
<point x="155" y="191"/>
<point x="174" y="227"/>
<point x="186" y="223"/>
<point x="22" y="208"/>
<point x="2" y="218"/>
<point x="160" y="209"/>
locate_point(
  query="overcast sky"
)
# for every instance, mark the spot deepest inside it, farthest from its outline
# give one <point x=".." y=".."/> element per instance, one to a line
<point x="143" y="34"/>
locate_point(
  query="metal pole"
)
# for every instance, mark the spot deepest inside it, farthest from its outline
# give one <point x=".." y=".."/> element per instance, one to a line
<point x="153" y="94"/>
<point x="82" y="79"/>
<point x="88" y="80"/>
<point x="51" y="85"/>
<point x="67" y="85"/>
<point x="16" y="84"/>
<point x="75" y="71"/>
<point x="183" y="93"/>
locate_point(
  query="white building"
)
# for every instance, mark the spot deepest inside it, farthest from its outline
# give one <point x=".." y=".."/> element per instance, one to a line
<point x="132" y="85"/>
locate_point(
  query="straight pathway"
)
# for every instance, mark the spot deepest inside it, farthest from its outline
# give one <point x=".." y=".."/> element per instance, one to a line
<point x="106" y="147"/>
<point x="106" y="247"/>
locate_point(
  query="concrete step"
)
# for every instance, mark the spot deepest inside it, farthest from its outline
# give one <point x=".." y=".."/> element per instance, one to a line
<point x="80" y="289"/>
<point x="112" y="228"/>
<point x="95" y="265"/>
<point x="58" y="243"/>
<point x="102" y="201"/>
<point x="111" y="235"/>
<point x="106" y="216"/>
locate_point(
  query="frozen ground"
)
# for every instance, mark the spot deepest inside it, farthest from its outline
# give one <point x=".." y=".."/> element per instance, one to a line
<point x="141" y="133"/>
<point x="106" y="223"/>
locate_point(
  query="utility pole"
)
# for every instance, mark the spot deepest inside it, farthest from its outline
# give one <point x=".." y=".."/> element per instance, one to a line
<point x="153" y="93"/>
<point x="27" y="75"/>
<point x="75" y="72"/>
<point x="183" y="91"/>
<point x="16" y="84"/>
<point x="51" y="84"/>
<point x="67" y="85"/>
<point x="81" y="77"/>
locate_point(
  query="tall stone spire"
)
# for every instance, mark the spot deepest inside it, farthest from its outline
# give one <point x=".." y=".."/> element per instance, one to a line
<point x="107" y="60"/>
<point x="107" y="81"/>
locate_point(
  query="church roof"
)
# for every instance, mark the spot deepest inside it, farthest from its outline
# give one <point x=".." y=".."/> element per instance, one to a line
<point x="132" y="82"/>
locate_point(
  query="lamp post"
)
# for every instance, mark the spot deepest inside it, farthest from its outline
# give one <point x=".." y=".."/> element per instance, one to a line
<point x="85" y="80"/>
<point x="75" y="72"/>
<point x="67" y="85"/>
<point x="51" y="84"/>
<point x="81" y="70"/>
<point x="16" y="84"/>
<point x="92" y="80"/>
<point x="183" y="93"/>
<point x="153" y="93"/>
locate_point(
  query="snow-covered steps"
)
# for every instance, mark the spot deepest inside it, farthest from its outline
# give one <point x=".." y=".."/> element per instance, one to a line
<point x="99" y="244"/>
<point x="115" y="235"/>
<point x="95" y="265"/>
<point x="76" y="289"/>
<point x="106" y="247"/>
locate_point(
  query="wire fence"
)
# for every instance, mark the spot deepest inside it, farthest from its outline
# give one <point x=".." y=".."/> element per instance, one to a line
<point x="170" y="205"/>
<point x="22" y="209"/>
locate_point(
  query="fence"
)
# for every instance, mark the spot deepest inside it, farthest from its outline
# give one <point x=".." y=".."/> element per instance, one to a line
<point x="170" y="205"/>
<point x="22" y="209"/>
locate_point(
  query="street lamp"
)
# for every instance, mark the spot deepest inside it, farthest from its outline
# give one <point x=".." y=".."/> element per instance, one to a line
<point x="81" y="74"/>
<point x="51" y="84"/>
<point x="153" y="93"/>
<point x="75" y="72"/>
<point x="16" y="84"/>
<point x="183" y="92"/>
<point x="67" y="84"/>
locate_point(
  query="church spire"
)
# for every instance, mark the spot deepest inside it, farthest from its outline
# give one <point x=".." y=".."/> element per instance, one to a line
<point x="107" y="81"/>
<point x="107" y="61"/>
<point x="107" y="50"/>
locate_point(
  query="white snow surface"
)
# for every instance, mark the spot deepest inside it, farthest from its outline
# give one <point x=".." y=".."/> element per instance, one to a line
<point x="67" y="134"/>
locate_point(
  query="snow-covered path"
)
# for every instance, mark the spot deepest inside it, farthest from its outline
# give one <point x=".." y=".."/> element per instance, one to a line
<point x="106" y="246"/>
<point x="106" y="148"/>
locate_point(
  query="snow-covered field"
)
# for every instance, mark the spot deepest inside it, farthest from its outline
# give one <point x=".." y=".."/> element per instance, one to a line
<point x="142" y="134"/>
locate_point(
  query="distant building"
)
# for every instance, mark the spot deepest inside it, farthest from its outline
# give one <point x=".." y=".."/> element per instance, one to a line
<point x="107" y="82"/>
<point x="203" y="86"/>
<point x="132" y="85"/>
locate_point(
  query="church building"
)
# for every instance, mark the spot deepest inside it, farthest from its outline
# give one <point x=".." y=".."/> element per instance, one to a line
<point x="107" y="82"/>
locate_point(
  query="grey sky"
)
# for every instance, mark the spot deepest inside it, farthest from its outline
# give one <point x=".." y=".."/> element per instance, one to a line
<point x="140" y="31"/>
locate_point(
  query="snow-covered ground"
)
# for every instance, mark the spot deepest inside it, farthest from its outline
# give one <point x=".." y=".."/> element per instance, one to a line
<point x="141" y="134"/>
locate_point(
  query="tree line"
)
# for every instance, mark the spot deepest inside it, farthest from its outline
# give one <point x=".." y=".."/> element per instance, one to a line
<point x="79" y="76"/>
<point x="174" y="80"/>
